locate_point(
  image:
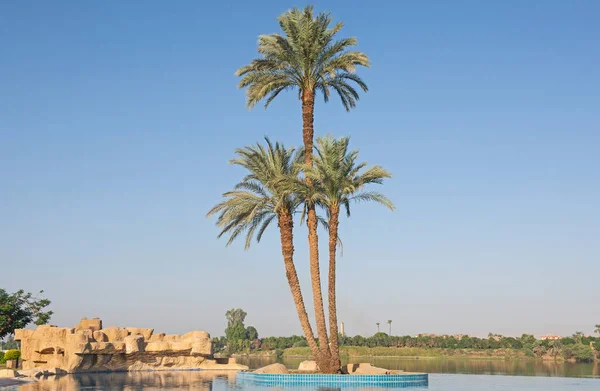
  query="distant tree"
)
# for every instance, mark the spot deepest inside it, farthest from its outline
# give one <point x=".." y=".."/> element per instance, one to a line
<point x="377" y="326"/>
<point x="578" y="336"/>
<point x="390" y="323"/>
<point x="9" y="344"/>
<point x="219" y="344"/>
<point x="300" y="344"/>
<point x="568" y="341"/>
<point x="597" y="329"/>
<point x="235" y="316"/>
<point x="236" y="332"/>
<point x="19" y="309"/>
<point x="528" y="340"/>
<point x="252" y="333"/>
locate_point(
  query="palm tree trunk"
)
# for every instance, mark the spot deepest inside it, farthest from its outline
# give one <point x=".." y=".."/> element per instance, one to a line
<point x="334" y="214"/>
<point x="308" y="106"/>
<point x="286" y="227"/>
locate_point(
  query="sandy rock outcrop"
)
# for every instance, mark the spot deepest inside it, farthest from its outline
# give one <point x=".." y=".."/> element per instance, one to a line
<point x="88" y="347"/>
<point x="308" y="366"/>
<point x="367" y="369"/>
<point x="8" y="373"/>
<point x="277" y="369"/>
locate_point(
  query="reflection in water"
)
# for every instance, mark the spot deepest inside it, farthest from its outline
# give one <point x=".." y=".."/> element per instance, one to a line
<point x="210" y="381"/>
<point x="526" y="367"/>
<point x="134" y="381"/>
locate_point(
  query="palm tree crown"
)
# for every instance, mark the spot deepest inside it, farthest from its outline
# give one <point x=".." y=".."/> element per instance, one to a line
<point x="307" y="58"/>
<point x="258" y="199"/>
<point x="339" y="179"/>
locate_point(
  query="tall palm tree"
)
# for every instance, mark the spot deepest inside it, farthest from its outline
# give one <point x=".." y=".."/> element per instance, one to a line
<point x="338" y="180"/>
<point x="257" y="201"/>
<point x="597" y="329"/>
<point x="306" y="58"/>
<point x="390" y="323"/>
<point x="377" y="326"/>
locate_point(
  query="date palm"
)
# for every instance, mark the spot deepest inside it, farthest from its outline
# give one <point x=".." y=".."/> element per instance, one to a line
<point x="309" y="59"/>
<point x="338" y="180"/>
<point x="390" y="323"/>
<point x="257" y="201"/>
<point x="597" y="329"/>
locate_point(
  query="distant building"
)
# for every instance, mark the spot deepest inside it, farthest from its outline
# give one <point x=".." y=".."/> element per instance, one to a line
<point x="456" y="336"/>
<point x="550" y="337"/>
<point x="342" y="329"/>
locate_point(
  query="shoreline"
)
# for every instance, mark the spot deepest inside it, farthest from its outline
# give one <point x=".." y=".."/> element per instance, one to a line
<point x="10" y="381"/>
<point x="496" y="358"/>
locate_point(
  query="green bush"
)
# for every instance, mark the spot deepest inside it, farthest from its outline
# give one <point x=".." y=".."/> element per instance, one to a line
<point x="2" y="360"/>
<point x="528" y="352"/>
<point x="12" y="355"/>
<point x="580" y="352"/>
<point x="300" y="344"/>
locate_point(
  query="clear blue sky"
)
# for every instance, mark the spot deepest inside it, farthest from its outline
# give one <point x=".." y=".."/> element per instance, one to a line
<point x="117" y="120"/>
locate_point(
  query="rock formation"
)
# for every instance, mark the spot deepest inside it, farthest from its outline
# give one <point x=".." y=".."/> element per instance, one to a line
<point x="88" y="347"/>
<point x="277" y="369"/>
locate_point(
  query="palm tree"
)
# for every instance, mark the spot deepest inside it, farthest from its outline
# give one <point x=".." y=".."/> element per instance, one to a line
<point x="597" y="329"/>
<point x="256" y="202"/>
<point x="390" y="323"/>
<point x="308" y="59"/>
<point x="338" y="180"/>
<point x="377" y="326"/>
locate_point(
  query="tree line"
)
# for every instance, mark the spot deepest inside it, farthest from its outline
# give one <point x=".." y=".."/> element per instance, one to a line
<point x="241" y="339"/>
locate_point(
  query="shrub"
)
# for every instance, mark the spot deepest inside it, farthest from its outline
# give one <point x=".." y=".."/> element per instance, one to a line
<point x="300" y="344"/>
<point x="12" y="355"/>
<point x="529" y="352"/>
<point x="2" y="360"/>
<point x="580" y="352"/>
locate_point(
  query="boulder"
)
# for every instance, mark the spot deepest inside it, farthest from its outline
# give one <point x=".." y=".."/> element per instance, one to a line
<point x="147" y="333"/>
<point x="308" y="366"/>
<point x="367" y="369"/>
<point x="89" y="324"/>
<point x="228" y="366"/>
<point x="157" y="337"/>
<point x="134" y="344"/>
<point x="276" y="369"/>
<point x="99" y="336"/>
<point x="115" y="333"/>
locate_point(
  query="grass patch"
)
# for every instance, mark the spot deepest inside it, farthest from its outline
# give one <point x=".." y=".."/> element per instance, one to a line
<point x="363" y="351"/>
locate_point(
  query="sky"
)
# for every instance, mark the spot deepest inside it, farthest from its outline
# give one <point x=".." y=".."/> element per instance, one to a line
<point x="118" y="118"/>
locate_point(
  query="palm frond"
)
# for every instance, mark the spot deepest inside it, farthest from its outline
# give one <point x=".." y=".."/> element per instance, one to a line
<point x="306" y="56"/>
<point x="260" y="197"/>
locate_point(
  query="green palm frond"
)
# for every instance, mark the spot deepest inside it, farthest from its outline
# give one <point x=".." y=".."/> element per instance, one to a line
<point x="259" y="198"/>
<point x="306" y="57"/>
<point x="338" y="178"/>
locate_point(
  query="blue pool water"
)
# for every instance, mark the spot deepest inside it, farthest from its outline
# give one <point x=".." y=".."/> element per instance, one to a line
<point x="210" y="381"/>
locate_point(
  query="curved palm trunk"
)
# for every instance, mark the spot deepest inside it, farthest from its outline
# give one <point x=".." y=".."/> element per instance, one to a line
<point x="308" y="105"/>
<point x="334" y="214"/>
<point x="286" y="227"/>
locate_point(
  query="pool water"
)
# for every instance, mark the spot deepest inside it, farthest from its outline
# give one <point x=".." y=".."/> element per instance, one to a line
<point x="215" y="381"/>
